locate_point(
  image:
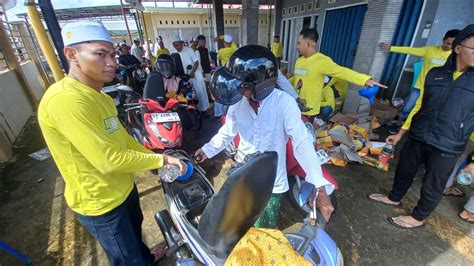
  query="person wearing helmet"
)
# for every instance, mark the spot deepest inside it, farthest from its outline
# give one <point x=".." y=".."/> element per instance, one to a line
<point x="165" y="66"/>
<point x="265" y="118"/>
<point x="94" y="153"/>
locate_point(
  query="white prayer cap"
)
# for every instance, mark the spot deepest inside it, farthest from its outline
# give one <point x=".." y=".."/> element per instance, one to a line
<point x="177" y="39"/>
<point x="228" y="38"/>
<point x="84" y="31"/>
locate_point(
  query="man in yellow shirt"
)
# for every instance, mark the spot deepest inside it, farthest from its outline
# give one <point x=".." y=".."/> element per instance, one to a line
<point x="433" y="56"/>
<point x="277" y="48"/>
<point x="94" y="153"/>
<point x="311" y="68"/>
<point x="438" y="127"/>
<point x="229" y="48"/>
<point x="161" y="49"/>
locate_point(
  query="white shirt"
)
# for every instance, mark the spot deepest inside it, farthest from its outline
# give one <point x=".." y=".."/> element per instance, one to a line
<point x="278" y="119"/>
<point x="188" y="57"/>
<point x="285" y="85"/>
<point x="136" y="51"/>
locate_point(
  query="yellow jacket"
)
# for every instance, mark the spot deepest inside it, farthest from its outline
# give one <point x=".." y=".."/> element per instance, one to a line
<point x="311" y="72"/>
<point x="433" y="56"/>
<point x="162" y="51"/>
<point x="277" y="49"/>
<point x="94" y="153"/>
<point x="224" y="54"/>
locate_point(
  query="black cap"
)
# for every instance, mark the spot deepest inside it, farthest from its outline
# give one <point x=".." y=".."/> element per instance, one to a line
<point x="464" y="34"/>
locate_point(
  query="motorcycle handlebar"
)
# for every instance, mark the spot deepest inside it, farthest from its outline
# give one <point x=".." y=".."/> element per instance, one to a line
<point x="133" y="108"/>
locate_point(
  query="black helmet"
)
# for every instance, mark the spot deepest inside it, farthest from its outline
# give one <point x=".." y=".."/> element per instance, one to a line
<point x="257" y="67"/>
<point x="165" y="65"/>
<point x="225" y="87"/>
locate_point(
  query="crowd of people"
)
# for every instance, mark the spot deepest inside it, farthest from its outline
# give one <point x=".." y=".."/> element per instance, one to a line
<point x="97" y="158"/>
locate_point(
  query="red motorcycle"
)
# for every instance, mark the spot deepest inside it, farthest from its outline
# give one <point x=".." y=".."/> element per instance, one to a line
<point x="153" y="120"/>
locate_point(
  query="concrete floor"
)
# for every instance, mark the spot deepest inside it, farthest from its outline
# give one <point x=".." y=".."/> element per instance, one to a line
<point x="35" y="219"/>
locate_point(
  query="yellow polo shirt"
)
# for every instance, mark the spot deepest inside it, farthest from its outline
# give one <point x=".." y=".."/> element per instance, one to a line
<point x="311" y="72"/>
<point x="162" y="51"/>
<point x="94" y="153"/>
<point x="433" y="56"/>
<point x="277" y="49"/>
<point x="328" y="98"/>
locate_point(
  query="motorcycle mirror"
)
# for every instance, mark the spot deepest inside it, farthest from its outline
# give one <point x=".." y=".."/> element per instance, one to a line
<point x="189" y="67"/>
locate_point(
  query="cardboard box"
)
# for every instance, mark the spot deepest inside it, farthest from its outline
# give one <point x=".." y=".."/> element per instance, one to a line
<point x="322" y="133"/>
<point x="344" y="119"/>
<point x="324" y="143"/>
<point x="384" y="113"/>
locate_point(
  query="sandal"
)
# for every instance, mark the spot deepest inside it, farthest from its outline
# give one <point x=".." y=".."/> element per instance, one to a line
<point x="466" y="219"/>
<point x="401" y="224"/>
<point x="376" y="197"/>
<point x="453" y="191"/>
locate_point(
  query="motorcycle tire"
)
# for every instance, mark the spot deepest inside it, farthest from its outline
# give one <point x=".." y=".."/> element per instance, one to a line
<point x="196" y="119"/>
<point x="304" y="210"/>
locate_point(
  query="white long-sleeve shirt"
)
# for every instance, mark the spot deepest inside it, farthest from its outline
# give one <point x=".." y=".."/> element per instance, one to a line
<point x="278" y="119"/>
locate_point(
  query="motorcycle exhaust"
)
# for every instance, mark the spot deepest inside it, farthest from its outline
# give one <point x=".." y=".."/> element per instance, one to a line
<point x="170" y="233"/>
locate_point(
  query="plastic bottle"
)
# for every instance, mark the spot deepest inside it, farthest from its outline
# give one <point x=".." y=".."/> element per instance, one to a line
<point x="464" y="178"/>
<point x="168" y="173"/>
<point x="385" y="156"/>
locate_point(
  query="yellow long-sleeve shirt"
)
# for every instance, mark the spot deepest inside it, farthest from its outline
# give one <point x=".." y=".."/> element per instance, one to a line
<point x="433" y="56"/>
<point x="94" y="153"/>
<point x="311" y="72"/>
<point x="224" y="54"/>
<point x="277" y="49"/>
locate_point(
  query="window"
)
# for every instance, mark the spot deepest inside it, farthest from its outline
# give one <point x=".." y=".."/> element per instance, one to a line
<point x="206" y="21"/>
<point x="289" y="10"/>
<point x="309" y="7"/>
<point x="295" y="10"/>
<point x="166" y="21"/>
<point x="194" y="22"/>
<point x="302" y="8"/>
<point x="161" y="22"/>
<point x="316" y="4"/>
<point x="177" y="22"/>
<point x="283" y="11"/>
<point x="172" y="22"/>
<point x="189" y="22"/>
<point x="225" y="22"/>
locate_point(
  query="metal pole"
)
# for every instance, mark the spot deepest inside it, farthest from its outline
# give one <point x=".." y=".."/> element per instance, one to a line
<point x="126" y="23"/>
<point x="13" y="64"/>
<point x="137" y="21"/>
<point x="51" y="21"/>
<point x="144" y="27"/>
<point x="43" y="40"/>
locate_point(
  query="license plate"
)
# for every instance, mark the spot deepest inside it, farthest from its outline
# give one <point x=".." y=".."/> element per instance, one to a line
<point x="323" y="156"/>
<point x="165" y="117"/>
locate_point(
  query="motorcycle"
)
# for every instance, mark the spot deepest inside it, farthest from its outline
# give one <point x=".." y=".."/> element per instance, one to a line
<point x="201" y="225"/>
<point x="152" y="120"/>
<point x="121" y="94"/>
<point x="137" y="79"/>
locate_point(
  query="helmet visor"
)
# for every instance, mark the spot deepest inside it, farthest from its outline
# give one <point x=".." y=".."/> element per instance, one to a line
<point x="225" y="87"/>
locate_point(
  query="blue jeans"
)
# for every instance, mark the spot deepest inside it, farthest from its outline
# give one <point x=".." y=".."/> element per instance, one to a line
<point x="325" y="112"/>
<point x="410" y="102"/>
<point x="120" y="234"/>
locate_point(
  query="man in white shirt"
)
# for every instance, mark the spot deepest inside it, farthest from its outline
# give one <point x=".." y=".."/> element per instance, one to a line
<point x="265" y="119"/>
<point x="189" y="58"/>
<point x="137" y="50"/>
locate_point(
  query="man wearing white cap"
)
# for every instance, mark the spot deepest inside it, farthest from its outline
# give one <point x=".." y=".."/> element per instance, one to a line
<point x="94" y="153"/>
<point x="229" y="48"/>
<point x="189" y="58"/>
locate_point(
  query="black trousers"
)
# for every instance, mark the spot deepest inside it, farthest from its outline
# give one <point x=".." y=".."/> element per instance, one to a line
<point x="438" y="167"/>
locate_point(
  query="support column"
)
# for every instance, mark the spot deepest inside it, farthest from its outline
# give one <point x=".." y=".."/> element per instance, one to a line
<point x="43" y="40"/>
<point x="218" y="19"/>
<point x="278" y="14"/>
<point x="249" y="22"/>
<point x="51" y="21"/>
<point x="30" y="48"/>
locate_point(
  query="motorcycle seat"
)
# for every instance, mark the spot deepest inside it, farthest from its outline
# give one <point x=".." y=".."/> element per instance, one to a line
<point x="236" y="207"/>
<point x="155" y="88"/>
